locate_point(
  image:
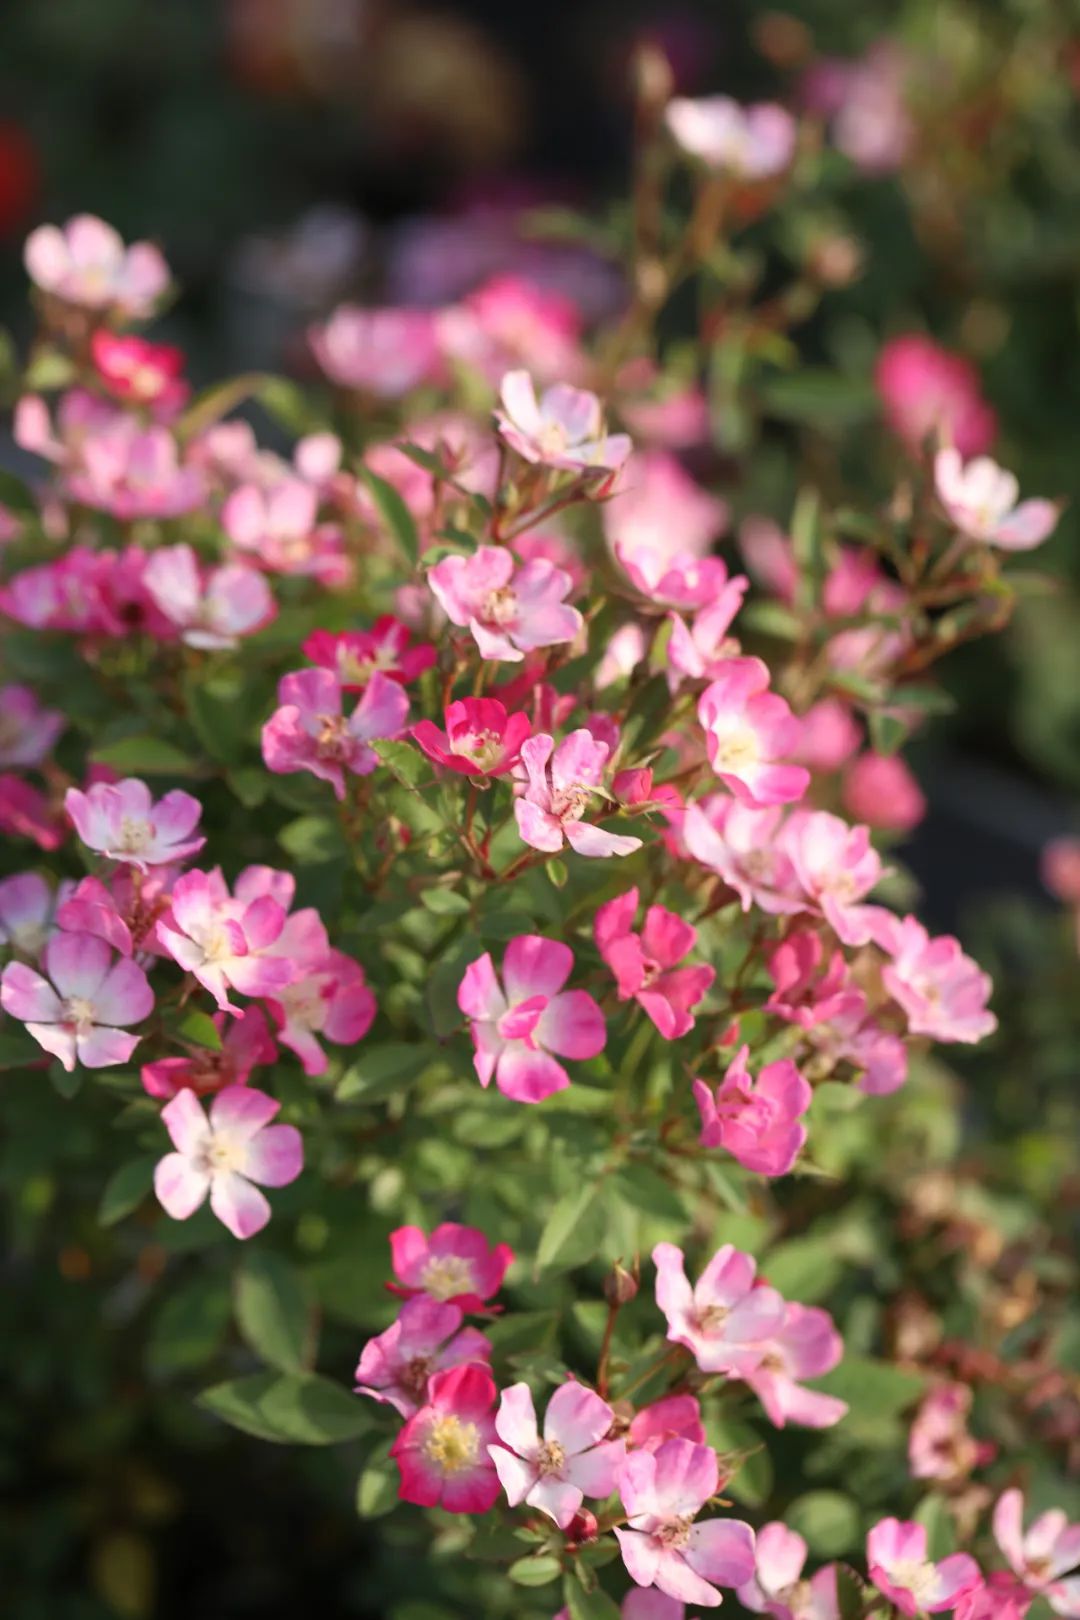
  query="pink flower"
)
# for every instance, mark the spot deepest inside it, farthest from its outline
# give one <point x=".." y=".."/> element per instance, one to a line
<point x="866" y="100"/>
<point x="748" y="731"/>
<point x="385" y="352"/>
<point x="1042" y="1554"/>
<point x="836" y="865"/>
<point x="561" y="782"/>
<point x="563" y="429"/>
<point x="121" y="821"/>
<point x="308" y="732"/>
<point x="645" y="1603"/>
<point x="246" y="1042"/>
<point x="981" y="499"/>
<point x="79" y="1009"/>
<point x="275" y="524"/>
<point x="25" y="812"/>
<point x="939" y="1445"/>
<point x="756" y="1121"/>
<point x="942" y="991"/>
<point x="140" y="372"/>
<point x="442" y="1452"/>
<point x="27" y="905"/>
<point x="212" y="608"/>
<point x="223" y="941"/>
<point x="901" y="1571"/>
<point x="396" y="1367"/>
<point x="125" y="914"/>
<point x="1061" y="869"/>
<point x="27" y="731"/>
<point x="510" y="608"/>
<point x="829" y="735"/>
<point x="455" y="1264"/>
<point x="230" y="1156"/>
<point x="134" y="472"/>
<point x="1000" y="1597"/>
<point x="513" y="322"/>
<point x="805" y="1345"/>
<point x="699" y="651"/>
<point x="670" y="1418"/>
<point x="480" y="739"/>
<point x="659" y="515"/>
<point x="926" y="390"/>
<point x="645" y="965"/>
<point x="572" y="1461"/>
<point x="515" y="1031"/>
<point x="777" y="1587"/>
<point x="683" y="581"/>
<point x="724" y="1315"/>
<point x="740" y="844"/>
<point x="880" y="789"/>
<point x="356" y="655"/>
<point x="328" y="997"/>
<point x="86" y="263"/>
<point x="749" y="143"/>
<point x="623" y="653"/>
<point x="662" y="1492"/>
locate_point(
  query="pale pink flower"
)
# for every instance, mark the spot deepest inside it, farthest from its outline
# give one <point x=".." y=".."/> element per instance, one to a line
<point x="356" y="655"/>
<point x="659" y="514"/>
<point x="25" y="812"/>
<point x="480" y="739"/>
<point x="769" y="555"/>
<point x="700" y="650"/>
<point x="27" y="909"/>
<point x="683" y="581"/>
<point x="309" y="732"/>
<point x="245" y="1044"/>
<point x="805" y="1345"/>
<point x="28" y="731"/>
<point x="122" y="822"/>
<point x="881" y="790"/>
<point x="927" y="391"/>
<point x="511" y="322"/>
<point x="749" y="143"/>
<point x="942" y="991"/>
<point x="777" y="1586"/>
<point x="662" y="1492"/>
<point x="385" y="352"/>
<point x="940" y="1445"/>
<point x="396" y="1367"/>
<point x="1042" y="1554"/>
<point x="896" y="1553"/>
<point x="134" y="472"/>
<point x="456" y="1264"/>
<point x="645" y="1603"/>
<point x="659" y="409"/>
<point x="212" y="608"/>
<point x="125" y="913"/>
<point x="673" y="1417"/>
<point x="646" y="965"/>
<point x="749" y="731"/>
<point x="230" y="1156"/>
<point x="518" y="1025"/>
<point x="86" y="263"/>
<point x="572" y="1461"/>
<point x="836" y="866"/>
<point x="442" y="1452"/>
<point x="725" y="1315"/>
<point x="980" y="498"/>
<point x="564" y="428"/>
<point x="511" y="608"/>
<point x="740" y="844"/>
<point x="328" y="999"/>
<point x="223" y="941"/>
<point x="866" y="101"/>
<point x="623" y="653"/>
<point x="80" y="1008"/>
<point x="1000" y="1597"/>
<point x="758" y="1121"/>
<point x="275" y="523"/>
<point x="561" y="782"/>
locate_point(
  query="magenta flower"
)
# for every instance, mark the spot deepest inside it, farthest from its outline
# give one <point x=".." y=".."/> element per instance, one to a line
<point x="309" y="732"/>
<point x="27" y="908"/>
<point x="396" y="1367"/>
<point x="699" y="651"/>
<point x="564" y="428"/>
<point x="134" y="472"/>
<point x="901" y="1571"/>
<point x="27" y="731"/>
<point x="511" y="608"/>
<point x="1042" y="1554"/>
<point x="572" y="1461"/>
<point x="749" y="143"/>
<point x="673" y="1417"/>
<point x="646" y="965"/>
<point x="662" y="1492"/>
<point x="981" y="500"/>
<point x="748" y="732"/>
<point x="86" y="263"/>
<point x="356" y="655"/>
<point x="777" y="1587"/>
<point x="480" y="739"/>
<point x="125" y="914"/>
<point x="213" y="608"/>
<point x="144" y="373"/>
<point x="836" y="866"/>
<point x="223" y="941"/>
<point x="926" y="390"/>
<point x="246" y="1043"/>
<point x="1000" y="1597"/>
<point x="25" y="812"/>
<point x="518" y="1025"/>
<point x="385" y="352"/>
<point x="740" y="844"/>
<point x="230" y="1156"/>
<point x="329" y="998"/>
<point x="121" y="821"/>
<point x="804" y="1345"/>
<point x="881" y="790"/>
<point x="561" y="782"/>
<point x="442" y="1452"/>
<point x="455" y="1264"/>
<point x="942" y="991"/>
<point x="756" y="1120"/>
<point x="80" y="1009"/>
<point x="725" y="1316"/>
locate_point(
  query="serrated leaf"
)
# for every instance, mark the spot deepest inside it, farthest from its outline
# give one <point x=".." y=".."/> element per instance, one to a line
<point x="288" y="1410"/>
<point x="274" y="1312"/>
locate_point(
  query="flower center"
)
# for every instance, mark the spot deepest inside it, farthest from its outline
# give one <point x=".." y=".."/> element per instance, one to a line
<point x="482" y="747"/>
<point x="414" y="1376"/>
<point x="568" y="803"/>
<point x="452" y="1445"/>
<point x="218" y="1155"/>
<point x="500" y="607"/>
<point x="712" y="1317"/>
<point x="917" y="1576"/>
<point x="79" y="1011"/>
<point x="447" y="1277"/>
<point x="330" y="736"/>
<point x="550" y="1459"/>
<point x="134" y="836"/>
<point x="216" y="945"/>
<point x="553" y="439"/>
<point x="675" y="1533"/>
<point x="736" y="751"/>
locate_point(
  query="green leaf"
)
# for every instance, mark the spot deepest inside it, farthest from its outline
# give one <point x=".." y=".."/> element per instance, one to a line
<point x="888" y="732"/>
<point x="394" y="513"/>
<point x="190" y="1326"/>
<point x="445" y="903"/>
<point x="570" y="1230"/>
<point x="199" y="1028"/>
<point x="827" y="1520"/>
<point x="404" y="761"/>
<point x="804" y="1269"/>
<point x="145" y="756"/>
<point x="850" y="1594"/>
<point x="312" y="840"/>
<point x="380" y="1071"/>
<point x="557" y="872"/>
<point x="274" y="1312"/>
<point x="377" y="1487"/>
<point x="17" y="1049"/>
<point x="594" y="1605"/>
<point x="536" y="1570"/>
<point x="288" y="1410"/>
<point x="933" y="1512"/>
<point x="126" y="1188"/>
<point x="819" y="398"/>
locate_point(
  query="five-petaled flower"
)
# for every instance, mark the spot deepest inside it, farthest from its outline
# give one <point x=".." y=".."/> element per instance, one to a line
<point x="396" y="1367"/>
<point x="510" y="607"/>
<point x="749" y="732"/>
<point x="564" y="428"/>
<point x="561" y="782"/>
<point x="309" y="732"/>
<point x="480" y="739"/>
<point x="442" y="1453"/>
<point x="80" y="1006"/>
<point x="646" y="965"/>
<point x="456" y="1264"/>
<point x="896" y="1553"/>
<point x="981" y="499"/>
<point x="121" y="821"/>
<point x="572" y="1460"/>
<point x="230" y="1156"/>
<point x="758" y="1120"/>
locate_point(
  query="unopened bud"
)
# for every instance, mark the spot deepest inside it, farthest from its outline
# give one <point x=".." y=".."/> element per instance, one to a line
<point x="582" y="1528"/>
<point x="633" y="786"/>
<point x="620" y="1285"/>
<point x="653" y="78"/>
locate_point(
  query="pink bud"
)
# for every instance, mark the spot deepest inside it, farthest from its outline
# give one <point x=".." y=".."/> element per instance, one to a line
<point x="880" y="790"/>
<point x="633" y="786"/>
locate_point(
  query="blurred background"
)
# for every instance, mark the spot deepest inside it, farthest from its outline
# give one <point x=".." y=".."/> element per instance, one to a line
<point x="288" y="154"/>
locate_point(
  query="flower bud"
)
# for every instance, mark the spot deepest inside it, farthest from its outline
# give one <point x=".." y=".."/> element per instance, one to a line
<point x="581" y="1529"/>
<point x="633" y="786"/>
<point x="620" y="1285"/>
